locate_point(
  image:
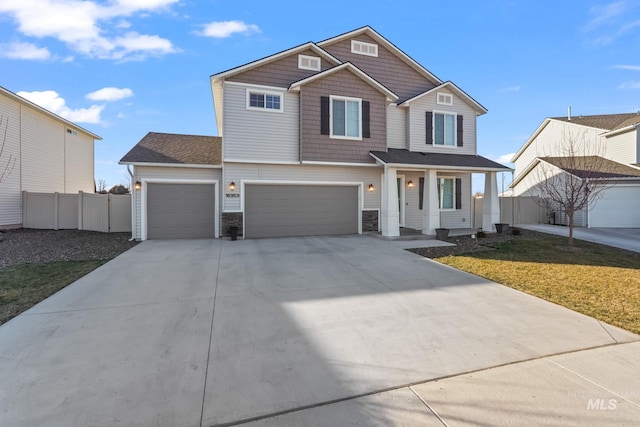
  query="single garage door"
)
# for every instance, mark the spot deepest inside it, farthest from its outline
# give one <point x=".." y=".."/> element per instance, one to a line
<point x="180" y="211"/>
<point x="618" y="207"/>
<point x="300" y="210"/>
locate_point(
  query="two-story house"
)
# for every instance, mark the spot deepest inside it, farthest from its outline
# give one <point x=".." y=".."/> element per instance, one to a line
<point x="613" y="138"/>
<point x="342" y="136"/>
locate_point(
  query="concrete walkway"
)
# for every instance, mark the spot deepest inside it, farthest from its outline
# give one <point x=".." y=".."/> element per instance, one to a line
<point x="624" y="238"/>
<point x="307" y="331"/>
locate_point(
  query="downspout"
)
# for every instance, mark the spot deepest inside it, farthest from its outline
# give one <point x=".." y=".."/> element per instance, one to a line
<point x="133" y="206"/>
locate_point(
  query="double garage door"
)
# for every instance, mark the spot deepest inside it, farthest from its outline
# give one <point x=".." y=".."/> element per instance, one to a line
<point x="300" y="210"/>
<point x="180" y="211"/>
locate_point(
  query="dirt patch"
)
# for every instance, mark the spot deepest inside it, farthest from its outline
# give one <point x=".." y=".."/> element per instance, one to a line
<point x="465" y="244"/>
<point x="39" y="246"/>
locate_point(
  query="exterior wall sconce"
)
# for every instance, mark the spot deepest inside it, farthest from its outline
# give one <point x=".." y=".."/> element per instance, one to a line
<point x="410" y="184"/>
<point x="232" y="186"/>
<point x="371" y="188"/>
<point x="137" y="185"/>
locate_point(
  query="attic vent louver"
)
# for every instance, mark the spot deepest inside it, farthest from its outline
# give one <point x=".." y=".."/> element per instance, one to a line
<point x="363" y="48"/>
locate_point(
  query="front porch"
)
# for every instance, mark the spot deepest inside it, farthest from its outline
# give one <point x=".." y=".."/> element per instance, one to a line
<point x="407" y="234"/>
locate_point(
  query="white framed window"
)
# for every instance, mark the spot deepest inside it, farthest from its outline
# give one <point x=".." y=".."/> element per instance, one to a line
<point x="306" y="62"/>
<point x="264" y="100"/>
<point x="444" y="129"/>
<point x="346" y="117"/>
<point x="447" y="193"/>
<point x="444" y="99"/>
<point x="363" y="48"/>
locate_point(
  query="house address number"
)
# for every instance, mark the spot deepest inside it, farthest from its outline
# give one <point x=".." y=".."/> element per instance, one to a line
<point x="232" y="195"/>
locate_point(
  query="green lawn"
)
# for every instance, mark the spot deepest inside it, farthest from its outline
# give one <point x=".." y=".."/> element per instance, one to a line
<point x="595" y="280"/>
<point x="23" y="286"/>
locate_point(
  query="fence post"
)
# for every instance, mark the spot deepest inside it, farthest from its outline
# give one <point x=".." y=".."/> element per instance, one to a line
<point x="80" y="205"/>
<point x="108" y="212"/>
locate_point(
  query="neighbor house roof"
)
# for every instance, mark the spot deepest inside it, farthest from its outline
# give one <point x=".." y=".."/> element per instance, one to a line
<point x="604" y="121"/>
<point x="408" y="158"/>
<point x="54" y="116"/>
<point x="176" y="149"/>
<point x="593" y="167"/>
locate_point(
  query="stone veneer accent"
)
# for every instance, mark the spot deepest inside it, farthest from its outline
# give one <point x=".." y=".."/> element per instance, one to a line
<point x="231" y="219"/>
<point x="369" y="221"/>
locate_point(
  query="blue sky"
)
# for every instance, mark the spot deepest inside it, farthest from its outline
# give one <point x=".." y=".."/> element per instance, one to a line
<point x="122" y="68"/>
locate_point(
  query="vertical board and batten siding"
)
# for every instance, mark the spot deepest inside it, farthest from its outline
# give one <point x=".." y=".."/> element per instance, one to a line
<point x="317" y="147"/>
<point x="623" y="148"/>
<point x="237" y="172"/>
<point x="281" y="72"/>
<point x="43" y="160"/>
<point x="418" y="124"/>
<point x="396" y="127"/>
<point x="387" y="68"/>
<point x="259" y="135"/>
<point x="78" y="171"/>
<point x="10" y="196"/>
<point x="169" y="173"/>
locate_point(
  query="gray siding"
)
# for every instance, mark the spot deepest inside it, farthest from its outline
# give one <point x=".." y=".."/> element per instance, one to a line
<point x="396" y="127"/>
<point x="387" y="68"/>
<point x="317" y="147"/>
<point x="417" y="120"/>
<point x="259" y="135"/>
<point x="10" y="196"/>
<point x="280" y="73"/>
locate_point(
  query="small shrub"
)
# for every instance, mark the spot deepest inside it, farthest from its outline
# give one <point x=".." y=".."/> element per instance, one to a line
<point x="515" y="231"/>
<point x="481" y="234"/>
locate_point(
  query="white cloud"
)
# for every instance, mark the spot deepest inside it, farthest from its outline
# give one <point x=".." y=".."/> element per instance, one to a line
<point x="603" y="14"/>
<point x="505" y="158"/>
<point x="110" y="94"/>
<point x="52" y="101"/>
<point x="224" y="29"/>
<point x="631" y="84"/>
<point x="22" y="50"/>
<point x="611" y="21"/>
<point x="510" y="89"/>
<point x="88" y="27"/>
<point x="627" y="67"/>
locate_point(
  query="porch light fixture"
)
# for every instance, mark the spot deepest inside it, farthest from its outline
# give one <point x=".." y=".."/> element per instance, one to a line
<point x="371" y="188"/>
<point x="137" y="185"/>
<point x="410" y="184"/>
<point x="232" y="186"/>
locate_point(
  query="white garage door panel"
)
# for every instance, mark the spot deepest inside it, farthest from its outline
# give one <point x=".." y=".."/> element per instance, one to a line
<point x="300" y="210"/>
<point x="619" y="207"/>
<point x="180" y="211"/>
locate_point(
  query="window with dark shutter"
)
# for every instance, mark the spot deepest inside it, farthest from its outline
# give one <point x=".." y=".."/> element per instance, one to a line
<point x="458" y="193"/>
<point x="366" y="128"/>
<point x="459" y="132"/>
<point x="421" y="194"/>
<point x="324" y="115"/>
<point x="429" y="127"/>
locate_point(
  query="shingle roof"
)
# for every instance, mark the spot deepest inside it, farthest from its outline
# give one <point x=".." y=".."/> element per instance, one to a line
<point x="604" y="121"/>
<point x="401" y="156"/>
<point x="593" y="167"/>
<point x="176" y="149"/>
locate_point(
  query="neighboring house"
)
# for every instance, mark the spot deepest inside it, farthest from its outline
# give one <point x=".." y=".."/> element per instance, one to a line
<point x="613" y="137"/>
<point x="338" y="137"/>
<point x="51" y="154"/>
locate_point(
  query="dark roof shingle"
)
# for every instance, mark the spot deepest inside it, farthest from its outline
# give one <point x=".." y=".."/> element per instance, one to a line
<point x="401" y="156"/>
<point x="593" y="167"/>
<point x="176" y="149"/>
<point x="604" y="121"/>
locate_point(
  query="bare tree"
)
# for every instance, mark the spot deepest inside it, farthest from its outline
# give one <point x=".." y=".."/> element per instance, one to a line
<point x="6" y="165"/>
<point x="101" y="186"/>
<point x="575" y="178"/>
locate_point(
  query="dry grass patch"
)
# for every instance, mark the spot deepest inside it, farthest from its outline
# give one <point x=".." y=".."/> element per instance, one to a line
<point x="595" y="280"/>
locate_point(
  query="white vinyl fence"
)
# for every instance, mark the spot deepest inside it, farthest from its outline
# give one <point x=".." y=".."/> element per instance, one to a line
<point x="513" y="210"/>
<point x="108" y="213"/>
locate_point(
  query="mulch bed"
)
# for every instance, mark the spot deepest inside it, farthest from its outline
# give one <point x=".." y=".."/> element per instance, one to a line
<point x="465" y="244"/>
<point x="38" y="246"/>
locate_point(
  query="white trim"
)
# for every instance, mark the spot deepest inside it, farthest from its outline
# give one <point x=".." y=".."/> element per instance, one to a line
<point x="358" y="184"/>
<point x="621" y="130"/>
<point x="259" y="87"/>
<point x="366" y="45"/>
<point x="444" y="98"/>
<point x="311" y="59"/>
<point x="172" y="165"/>
<point x="143" y="200"/>
<point x="402" y="200"/>
<point x="316" y="163"/>
<point x="452" y="178"/>
<point x="249" y="91"/>
<point x="480" y="109"/>
<point x="258" y="162"/>
<point x="345" y="99"/>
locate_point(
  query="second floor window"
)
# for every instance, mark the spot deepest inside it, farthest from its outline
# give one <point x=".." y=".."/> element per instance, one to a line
<point x="264" y="100"/>
<point x="444" y="129"/>
<point x="346" y="119"/>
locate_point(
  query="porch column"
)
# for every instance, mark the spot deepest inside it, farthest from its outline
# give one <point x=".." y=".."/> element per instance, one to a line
<point x="430" y="204"/>
<point x="390" y="221"/>
<point x="491" y="205"/>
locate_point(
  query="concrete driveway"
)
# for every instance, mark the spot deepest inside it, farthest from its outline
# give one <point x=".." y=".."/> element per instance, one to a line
<point x="306" y="331"/>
